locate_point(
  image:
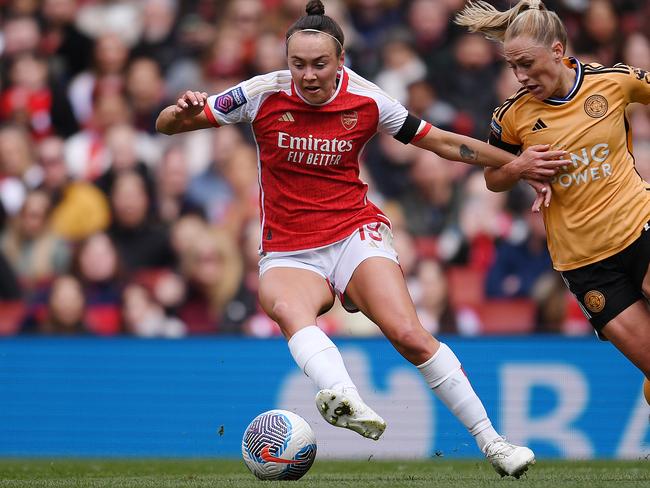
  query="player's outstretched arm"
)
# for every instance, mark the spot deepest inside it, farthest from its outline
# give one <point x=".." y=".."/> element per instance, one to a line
<point x="186" y="115"/>
<point x="535" y="163"/>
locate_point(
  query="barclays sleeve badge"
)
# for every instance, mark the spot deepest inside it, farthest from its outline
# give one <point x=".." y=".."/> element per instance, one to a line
<point x="230" y="100"/>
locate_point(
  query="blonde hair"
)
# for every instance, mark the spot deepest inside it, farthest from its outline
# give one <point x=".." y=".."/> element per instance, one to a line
<point x="528" y="18"/>
<point x="220" y="242"/>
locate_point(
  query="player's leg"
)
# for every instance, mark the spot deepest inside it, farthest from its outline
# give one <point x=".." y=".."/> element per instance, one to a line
<point x="293" y="298"/>
<point x="378" y="289"/>
<point x="629" y="331"/>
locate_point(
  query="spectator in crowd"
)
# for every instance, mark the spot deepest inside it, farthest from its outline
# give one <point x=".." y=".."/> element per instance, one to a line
<point x="429" y="23"/>
<point x="68" y="48"/>
<point x="601" y="34"/>
<point x="141" y="241"/>
<point x="637" y="50"/>
<point x="240" y="174"/>
<point x="431" y="298"/>
<point x="212" y="267"/>
<point x="36" y="254"/>
<point x="468" y="80"/>
<point x="65" y="310"/>
<point x="481" y="217"/>
<point x="269" y="53"/>
<point x="144" y="317"/>
<point x="98" y="267"/>
<point x="120" y="18"/>
<point x="145" y="90"/>
<point x="401" y="66"/>
<point x="172" y="181"/>
<point x="158" y="40"/>
<point x="245" y="17"/>
<point x="210" y="188"/>
<point x="423" y="101"/>
<point x="431" y="202"/>
<point x="126" y="150"/>
<point x="79" y="207"/>
<point x="20" y="35"/>
<point x="33" y="101"/>
<point x="521" y="260"/>
<point x="18" y="170"/>
<point x="110" y="58"/>
<point x="86" y="154"/>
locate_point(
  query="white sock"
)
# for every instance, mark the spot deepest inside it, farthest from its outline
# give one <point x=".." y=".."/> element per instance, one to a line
<point x="448" y="381"/>
<point x="319" y="359"/>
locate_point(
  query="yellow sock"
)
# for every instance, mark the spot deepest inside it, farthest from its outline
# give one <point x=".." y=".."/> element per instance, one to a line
<point x="646" y="390"/>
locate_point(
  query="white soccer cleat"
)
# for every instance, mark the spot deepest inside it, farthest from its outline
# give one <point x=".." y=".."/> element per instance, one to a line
<point x="344" y="408"/>
<point x="508" y="459"/>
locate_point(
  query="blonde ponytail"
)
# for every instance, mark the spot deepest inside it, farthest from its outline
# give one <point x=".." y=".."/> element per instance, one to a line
<point x="527" y="17"/>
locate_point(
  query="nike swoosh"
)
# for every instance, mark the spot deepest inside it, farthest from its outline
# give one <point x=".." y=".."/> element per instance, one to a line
<point x="270" y="458"/>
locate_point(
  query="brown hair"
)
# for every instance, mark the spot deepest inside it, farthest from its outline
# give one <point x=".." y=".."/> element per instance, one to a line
<point x="317" y="20"/>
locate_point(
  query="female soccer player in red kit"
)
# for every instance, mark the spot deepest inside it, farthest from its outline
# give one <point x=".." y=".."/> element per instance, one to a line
<point x="321" y="236"/>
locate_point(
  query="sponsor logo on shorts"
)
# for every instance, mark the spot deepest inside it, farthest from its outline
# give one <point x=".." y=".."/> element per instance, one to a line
<point x="595" y="301"/>
<point x="596" y="106"/>
<point x="349" y="119"/>
<point x="229" y="101"/>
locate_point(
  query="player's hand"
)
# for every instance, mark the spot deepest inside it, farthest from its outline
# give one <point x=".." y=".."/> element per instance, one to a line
<point x="540" y="163"/>
<point x="542" y="194"/>
<point x="190" y="104"/>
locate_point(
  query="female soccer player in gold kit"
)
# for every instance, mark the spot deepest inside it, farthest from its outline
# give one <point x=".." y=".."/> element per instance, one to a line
<point x="598" y="221"/>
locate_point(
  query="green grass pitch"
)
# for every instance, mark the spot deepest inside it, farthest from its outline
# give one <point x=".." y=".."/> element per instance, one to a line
<point x="435" y="473"/>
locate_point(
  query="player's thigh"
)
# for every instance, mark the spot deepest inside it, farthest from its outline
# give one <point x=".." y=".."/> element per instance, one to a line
<point x="378" y="289"/>
<point x="629" y="331"/>
<point x="293" y="297"/>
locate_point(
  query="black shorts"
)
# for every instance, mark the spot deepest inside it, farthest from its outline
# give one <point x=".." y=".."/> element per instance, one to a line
<point x="606" y="288"/>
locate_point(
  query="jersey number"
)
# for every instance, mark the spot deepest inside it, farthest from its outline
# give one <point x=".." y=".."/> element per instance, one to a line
<point x="372" y="230"/>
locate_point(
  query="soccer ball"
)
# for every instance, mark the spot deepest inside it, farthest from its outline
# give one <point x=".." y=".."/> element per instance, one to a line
<point x="278" y="445"/>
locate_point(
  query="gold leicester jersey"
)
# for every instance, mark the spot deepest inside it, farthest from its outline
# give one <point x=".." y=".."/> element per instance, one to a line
<point x="600" y="203"/>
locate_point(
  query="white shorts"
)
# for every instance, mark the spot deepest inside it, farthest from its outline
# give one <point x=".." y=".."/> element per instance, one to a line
<point x="336" y="262"/>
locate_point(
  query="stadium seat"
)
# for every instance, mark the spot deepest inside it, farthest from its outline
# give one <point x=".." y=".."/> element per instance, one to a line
<point x="466" y="286"/>
<point x="510" y="316"/>
<point x="12" y="314"/>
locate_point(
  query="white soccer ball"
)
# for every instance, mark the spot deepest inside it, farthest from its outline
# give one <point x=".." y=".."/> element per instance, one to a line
<point x="278" y="445"/>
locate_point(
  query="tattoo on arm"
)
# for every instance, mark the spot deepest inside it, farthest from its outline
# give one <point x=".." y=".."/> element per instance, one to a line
<point x="467" y="153"/>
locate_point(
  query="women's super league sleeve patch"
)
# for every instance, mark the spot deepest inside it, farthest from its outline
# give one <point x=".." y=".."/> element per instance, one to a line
<point x="229" y="101"/>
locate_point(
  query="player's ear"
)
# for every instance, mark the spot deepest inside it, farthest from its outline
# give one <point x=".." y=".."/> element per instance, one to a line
<point x="558" y="50"/>
<point x="342" y="59"/>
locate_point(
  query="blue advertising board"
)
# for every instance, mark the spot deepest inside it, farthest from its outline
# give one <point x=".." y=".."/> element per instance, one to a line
<point x="564" y="397"/>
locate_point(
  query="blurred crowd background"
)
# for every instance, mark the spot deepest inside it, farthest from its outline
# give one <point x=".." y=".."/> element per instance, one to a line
<point x="107" y="227"/>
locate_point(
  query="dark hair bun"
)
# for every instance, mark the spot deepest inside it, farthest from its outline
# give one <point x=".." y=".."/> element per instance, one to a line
<point x="315" y="7"/>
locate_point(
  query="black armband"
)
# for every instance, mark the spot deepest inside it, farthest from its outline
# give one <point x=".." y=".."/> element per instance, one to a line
<point x="408" y="130"/>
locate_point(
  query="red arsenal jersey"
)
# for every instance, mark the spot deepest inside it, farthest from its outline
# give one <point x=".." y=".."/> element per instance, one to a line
<point x="308" y="155"/>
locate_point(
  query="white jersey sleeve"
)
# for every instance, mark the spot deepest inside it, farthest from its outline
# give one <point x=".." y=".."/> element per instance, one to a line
<point x="392" y="114"/>
<point x="242" y="102"/>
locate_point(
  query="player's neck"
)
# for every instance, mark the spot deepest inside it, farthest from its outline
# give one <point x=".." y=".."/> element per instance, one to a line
<point x="567" y="82"/>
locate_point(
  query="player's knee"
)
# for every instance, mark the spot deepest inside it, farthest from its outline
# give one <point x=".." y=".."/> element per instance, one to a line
<point x="414" y="343"/>
<point x="281" y="312"/>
